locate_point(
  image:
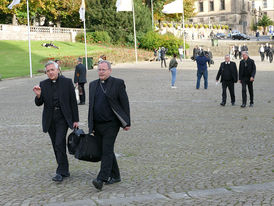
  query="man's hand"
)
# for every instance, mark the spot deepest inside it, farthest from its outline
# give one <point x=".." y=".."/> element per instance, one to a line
<point x="251" y="79"/>
<point x="37" y="91"/>
<point x="127" y="128"/>
<point x="240" y="81"/>
<point x="75" y="124"/>
<point x="76" y="84"/>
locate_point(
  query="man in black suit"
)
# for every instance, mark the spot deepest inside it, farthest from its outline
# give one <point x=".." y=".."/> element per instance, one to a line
<point x="80" y="78"/>
<point x="108" y="111"/>
<point x="229" y="76"/>
<point x="247" y="71"/>
<point x="60" y="112"/>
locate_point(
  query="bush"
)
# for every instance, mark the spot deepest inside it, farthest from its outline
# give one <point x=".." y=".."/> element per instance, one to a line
<point x="164" y="25"/>
<point x="152" y="40"/>
<point x="214" y="26"/>
<point x="94" y="37"/>
<point x="195" y="26"/>
<point x="186" y="25"/>
<point x="190" y="25"/>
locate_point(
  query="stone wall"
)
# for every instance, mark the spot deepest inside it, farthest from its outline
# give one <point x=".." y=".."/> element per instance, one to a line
<point x="10" y="32"/>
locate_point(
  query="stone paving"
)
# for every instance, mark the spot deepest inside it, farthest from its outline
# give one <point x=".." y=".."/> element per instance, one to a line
<point x="183" y="148"/>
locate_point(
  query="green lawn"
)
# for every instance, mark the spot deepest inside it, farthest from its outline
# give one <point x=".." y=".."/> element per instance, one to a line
<point x="14" y="55"/>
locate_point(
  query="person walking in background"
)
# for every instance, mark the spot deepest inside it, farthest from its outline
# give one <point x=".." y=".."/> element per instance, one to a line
<point x="80" y="78"/>
<point x="247" y="71"/>
<point x="244" y="48"/>
<point x="261" y="51"/>
<point x="266" y="50"/>
<point x="163" y="56"/>
<point x="257" y="35"/>
<point x="202" y="61"/>
<point x="270" y="53"/>
<point x="236" y="51"/>
<point x="155" y="53"/>
<point x="108" y="111"/>
<point x="60" y="112"/>
<point x="229" y="76"/>
<point x="172" y="68"/>
<point x="195" y="52"/>
<point x="240" y="51"/>
<point x="59" y="67"/>
<point x="181" y="52"/>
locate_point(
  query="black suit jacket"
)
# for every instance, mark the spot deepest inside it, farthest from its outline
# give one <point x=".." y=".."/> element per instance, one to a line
<point x="117" y="98"/>
<point x="67" y="100"/>
<point x="251" y="68"/>
<point x="80" y="74"/>
<point x="233" y="69"/>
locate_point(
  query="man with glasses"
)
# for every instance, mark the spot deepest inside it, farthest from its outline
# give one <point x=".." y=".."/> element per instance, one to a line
<point x="60" y="112"/>
<point x="247" y="71"/>
<point x="108" y="111"/>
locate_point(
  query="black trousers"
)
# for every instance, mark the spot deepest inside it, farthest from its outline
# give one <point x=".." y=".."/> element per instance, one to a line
<point x="57" y="132"/>
<point x="262" y="56"/>
<point x="236" y="54"/>
<point x="270" y="57"/>
<point x="230" y="85"/>
<point x="83" y="95"/>
<point x="163" y="60"/>
<point x="249" y="84"/>
<point x="108" y="132"/>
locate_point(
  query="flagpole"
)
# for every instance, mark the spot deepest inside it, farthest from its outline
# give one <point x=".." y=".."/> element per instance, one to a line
<point x="133" y="12"/>
<point x="85" y="36"/>
<point x="183" y="19"/>
<point x="152" y="15"/>
<point x="30" y="64"/>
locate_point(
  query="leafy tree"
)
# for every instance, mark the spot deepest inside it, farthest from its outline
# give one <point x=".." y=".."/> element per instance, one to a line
<point x="102" y="16"/>
<point x="265" y="21"/>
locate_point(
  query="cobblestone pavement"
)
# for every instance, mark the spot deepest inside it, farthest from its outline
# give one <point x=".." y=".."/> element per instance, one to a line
<point x="183" y="148"/>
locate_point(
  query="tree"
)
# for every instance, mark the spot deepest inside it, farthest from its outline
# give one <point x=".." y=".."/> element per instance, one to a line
<point x="160" y="16"/>
<point x="265" y="21"/>
<point x="102" y="16"/>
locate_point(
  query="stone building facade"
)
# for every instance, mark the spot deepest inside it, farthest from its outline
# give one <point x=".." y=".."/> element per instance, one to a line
<point x="237" y="14"/>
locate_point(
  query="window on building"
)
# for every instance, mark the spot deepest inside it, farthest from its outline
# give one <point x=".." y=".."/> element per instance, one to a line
<point x="264" y="3"/>
<point x="211" y="5"/>
<point x="201" y="6"/>
<point x="222" y="5"/>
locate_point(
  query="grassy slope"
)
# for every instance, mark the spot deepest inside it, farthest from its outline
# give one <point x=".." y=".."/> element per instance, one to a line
<point x="14" y="56"/>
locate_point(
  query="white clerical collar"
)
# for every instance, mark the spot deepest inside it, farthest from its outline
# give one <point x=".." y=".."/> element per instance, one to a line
<point x="227" y="62"/>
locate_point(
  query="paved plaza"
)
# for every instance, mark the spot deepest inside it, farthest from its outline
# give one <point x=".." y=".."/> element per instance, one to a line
<point x="183" y="147"/>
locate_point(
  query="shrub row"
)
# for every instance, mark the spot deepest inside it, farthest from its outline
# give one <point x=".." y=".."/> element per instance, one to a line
<point x="94" y="37"/>
<point x="153" y="40"/>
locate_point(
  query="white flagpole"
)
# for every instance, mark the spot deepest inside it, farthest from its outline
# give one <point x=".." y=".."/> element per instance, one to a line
<point x="30" y="64"/>
<point x="183" y="19"/>
<point x="85" y="35"/>
<point x="134" y="31"/>
<point x="152" y="15"/>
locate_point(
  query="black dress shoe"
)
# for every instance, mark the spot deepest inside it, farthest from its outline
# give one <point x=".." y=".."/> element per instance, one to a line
<point x="112" y="181"/>
<point x="251" y="105"/>
<point x="57" y="178"/>
<point x="243" y="105"/>
<point x="222" y="104"/>
<point x="66" y="175"/>
<point x="98" y="184"/>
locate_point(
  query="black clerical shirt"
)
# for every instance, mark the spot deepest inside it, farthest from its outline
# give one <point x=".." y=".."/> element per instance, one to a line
<point x="102" y="109"/>
<point x="227" y="75"/>
<point x="55" y="98"/>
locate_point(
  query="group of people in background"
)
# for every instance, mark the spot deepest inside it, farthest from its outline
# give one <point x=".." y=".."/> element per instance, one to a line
<point x="237" y="50"/>
<point x="266" y="52"/>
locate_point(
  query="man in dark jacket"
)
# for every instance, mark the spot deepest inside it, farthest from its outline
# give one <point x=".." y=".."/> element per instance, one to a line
<point x="229" y="76"/>
<point x="247" y="71"/>
<point x="202" y="61"/>
<point x="108" y="111"/>
<point x="163" y="56"/>
<point x="60" y="112"/>
<point x="80" y="78"/>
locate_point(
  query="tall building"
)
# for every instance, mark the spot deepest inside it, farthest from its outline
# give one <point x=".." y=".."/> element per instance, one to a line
<point x="237" y="14"/>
